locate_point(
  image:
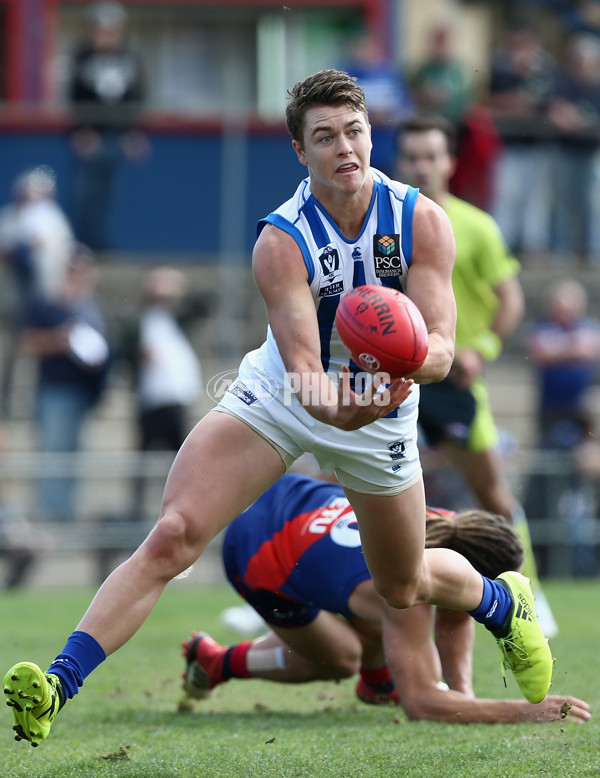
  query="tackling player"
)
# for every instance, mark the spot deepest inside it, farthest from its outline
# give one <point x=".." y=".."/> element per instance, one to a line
<point x="295" y="556"/>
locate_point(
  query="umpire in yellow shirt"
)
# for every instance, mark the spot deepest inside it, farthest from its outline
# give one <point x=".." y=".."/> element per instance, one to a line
<point x="490" y="305"/>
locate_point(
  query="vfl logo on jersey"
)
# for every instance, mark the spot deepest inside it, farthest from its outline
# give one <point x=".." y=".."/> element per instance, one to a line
<point x="332" y="281"/>
<point x="386" y="255"/>
<point x="330" y="260"/>
<point x="397" y="449"/>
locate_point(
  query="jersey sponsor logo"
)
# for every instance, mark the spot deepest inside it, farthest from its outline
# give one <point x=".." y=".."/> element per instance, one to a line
<point x="261" y="387"/>
<point x="386" y="256"/>
<point x="337" y="519"/>
<point x="397" y="449"/>
<point x="369" y="361"/>
<point x="332" y="289"/>
<point x="332" y="280"/>
<point x="241" y="391"/>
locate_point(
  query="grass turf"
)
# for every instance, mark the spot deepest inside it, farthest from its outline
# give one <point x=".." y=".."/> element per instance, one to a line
<point x="126" y="724"/>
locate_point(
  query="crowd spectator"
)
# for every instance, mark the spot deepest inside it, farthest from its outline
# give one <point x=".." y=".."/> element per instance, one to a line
<point x="564" y="347"/>
<point x="585" y="558"/>
<point x="36" y="237"/>
<point x="440" y="86"/>
<point x="521" y="79"/>
<point x="439" y="83"/>
<point x="574" y="112"/>
<point x="169" y="372"/>
<point x="67" y="338"/>
<point x="166" y="367"/>
<point x="386" y="91"/>
<point x="106" y="92"/>
<point x="36" y="241"/>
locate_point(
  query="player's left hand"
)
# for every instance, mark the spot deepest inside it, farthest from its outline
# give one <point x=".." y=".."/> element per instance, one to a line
<point x="556" y="708"/>
<point x="355" y="410"/>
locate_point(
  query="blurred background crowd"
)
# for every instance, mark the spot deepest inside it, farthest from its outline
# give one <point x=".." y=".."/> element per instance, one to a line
<point x="141" y="141"/>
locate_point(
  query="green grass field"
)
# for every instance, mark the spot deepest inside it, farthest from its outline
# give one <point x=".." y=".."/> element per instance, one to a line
<point x="125" y="722"/>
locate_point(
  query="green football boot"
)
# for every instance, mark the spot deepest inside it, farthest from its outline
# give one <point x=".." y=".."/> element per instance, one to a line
<point x="525" y="651"/>
<point x="35" y="698"/>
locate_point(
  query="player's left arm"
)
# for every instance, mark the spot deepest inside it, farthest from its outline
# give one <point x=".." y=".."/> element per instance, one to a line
<point x="429" y="285"/>
<point x="454" y="640"/>
<point x="415" y="668"/>
<point x="412" y="658"/>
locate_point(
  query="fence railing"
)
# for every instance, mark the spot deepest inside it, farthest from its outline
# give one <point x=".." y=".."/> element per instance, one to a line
<point x="118" y="495"/>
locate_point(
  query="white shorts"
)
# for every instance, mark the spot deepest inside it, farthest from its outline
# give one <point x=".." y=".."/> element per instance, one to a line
<point x="380" y="458"/>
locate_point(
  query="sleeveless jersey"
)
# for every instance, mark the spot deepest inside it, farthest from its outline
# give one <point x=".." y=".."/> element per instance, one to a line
<point x="299" y="541"/>
<point x="380" y="255"/>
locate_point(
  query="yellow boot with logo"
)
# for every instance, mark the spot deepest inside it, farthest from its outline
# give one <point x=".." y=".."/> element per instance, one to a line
<point x="525" y="650"/>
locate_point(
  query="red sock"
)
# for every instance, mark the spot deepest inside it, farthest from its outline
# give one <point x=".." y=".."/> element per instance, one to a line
<point x="234" y="661"/>
<point x="378" y="676"/>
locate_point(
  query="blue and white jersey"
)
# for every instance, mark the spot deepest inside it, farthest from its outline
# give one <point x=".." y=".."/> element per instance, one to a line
<point x="380" y="254"/>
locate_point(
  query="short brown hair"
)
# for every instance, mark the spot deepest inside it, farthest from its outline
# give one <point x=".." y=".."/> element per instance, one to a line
<point x="327" y="87"/>
<point x="424" y="122"/>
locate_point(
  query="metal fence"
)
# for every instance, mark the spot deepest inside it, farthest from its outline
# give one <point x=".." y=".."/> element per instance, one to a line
<point x="118" y="494"/>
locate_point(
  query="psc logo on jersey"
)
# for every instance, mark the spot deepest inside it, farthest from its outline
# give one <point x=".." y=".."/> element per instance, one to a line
<point x="332" y="281"/>
<point x="386" y="256"/>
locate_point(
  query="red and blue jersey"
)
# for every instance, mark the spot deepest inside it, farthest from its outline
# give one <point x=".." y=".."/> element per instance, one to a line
<point x="300" y="543"/>
<point x="296" y="551"/>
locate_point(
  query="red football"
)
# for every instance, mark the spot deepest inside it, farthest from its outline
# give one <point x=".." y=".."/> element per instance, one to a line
<point x="382" y="330"/>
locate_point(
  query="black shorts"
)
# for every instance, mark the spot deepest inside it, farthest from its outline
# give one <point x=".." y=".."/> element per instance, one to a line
<point x="446" y="412"/>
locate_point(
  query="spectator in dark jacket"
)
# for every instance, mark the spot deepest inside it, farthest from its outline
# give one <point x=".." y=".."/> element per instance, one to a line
<point x="106" y="92"/>
<point x="67" y="337"/>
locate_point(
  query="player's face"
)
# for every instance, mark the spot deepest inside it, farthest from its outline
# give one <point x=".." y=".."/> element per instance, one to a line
<point x="336" y="148"/>
<point x="424" y="161"/>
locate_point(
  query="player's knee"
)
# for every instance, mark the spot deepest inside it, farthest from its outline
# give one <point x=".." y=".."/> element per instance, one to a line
<point x="398" y="594"/>
<point x="348" y="664"/>
<point x="170" y="546"/>
<point x="345" y="664"/>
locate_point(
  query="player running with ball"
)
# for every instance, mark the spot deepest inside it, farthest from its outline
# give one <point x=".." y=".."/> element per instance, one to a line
<point x="310" y="252"/>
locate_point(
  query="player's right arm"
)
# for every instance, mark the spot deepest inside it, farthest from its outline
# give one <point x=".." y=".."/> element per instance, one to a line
<point x="414" y="664"/>
<point x="429" y="285"/>
<point x="282" y="279"/>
